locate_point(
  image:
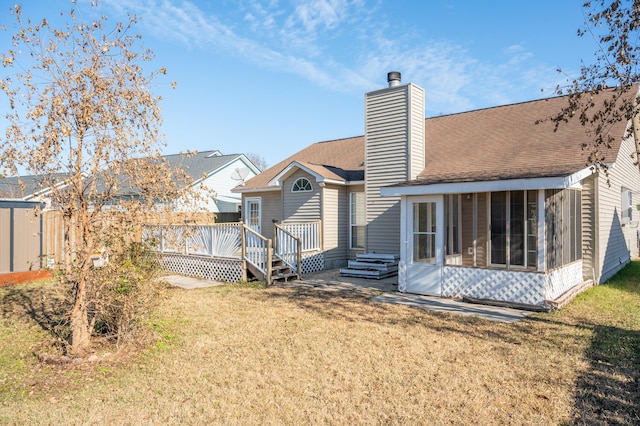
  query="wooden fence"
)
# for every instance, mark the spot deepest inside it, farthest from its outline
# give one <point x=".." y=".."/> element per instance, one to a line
<point x="52" y="238"/>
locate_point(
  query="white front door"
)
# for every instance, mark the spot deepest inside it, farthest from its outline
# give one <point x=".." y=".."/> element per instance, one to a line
<point x="423" y="248"/>
<point x="253" y="213"/>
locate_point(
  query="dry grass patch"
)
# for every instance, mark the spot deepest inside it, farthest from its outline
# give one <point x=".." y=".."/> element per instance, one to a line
<point x="251" y="355"/>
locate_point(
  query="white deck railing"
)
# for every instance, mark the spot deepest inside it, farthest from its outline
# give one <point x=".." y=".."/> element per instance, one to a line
<point x="218" y="240"/>
<point x="257" y="250"/>
<point x="288" y="248"/>
<point x="307" y="232"/>
<point x="224" y="240"/>
<point x="237" y="241"/>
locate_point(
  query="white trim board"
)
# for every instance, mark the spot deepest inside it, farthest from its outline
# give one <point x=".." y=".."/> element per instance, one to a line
<point x="560" y="182"/>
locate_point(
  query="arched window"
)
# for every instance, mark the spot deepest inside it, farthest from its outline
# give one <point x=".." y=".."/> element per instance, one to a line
<point x="302" y="185"/>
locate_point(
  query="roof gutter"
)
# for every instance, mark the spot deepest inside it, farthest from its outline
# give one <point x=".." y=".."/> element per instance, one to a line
<point x="559" y="182"/>
<point x="252" y="190"/>
<point x="277" y="188"/>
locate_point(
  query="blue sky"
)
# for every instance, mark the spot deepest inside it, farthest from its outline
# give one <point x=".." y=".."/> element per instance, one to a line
<point x="273" y="76"/>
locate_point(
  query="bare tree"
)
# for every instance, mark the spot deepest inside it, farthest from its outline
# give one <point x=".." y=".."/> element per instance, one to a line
<point x="258" y="161"/>
<point x="615" y="27"/>
<point x="82" y="112"/>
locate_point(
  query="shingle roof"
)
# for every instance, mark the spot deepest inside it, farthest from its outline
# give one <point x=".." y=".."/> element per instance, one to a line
<point x="338" y="159"/>
<point x="200" y="164"/>
<point x="506" y="143"/>
<point x="29" y="185"/>
<point x="496" y="143"/>
<point x="196" y="165"/>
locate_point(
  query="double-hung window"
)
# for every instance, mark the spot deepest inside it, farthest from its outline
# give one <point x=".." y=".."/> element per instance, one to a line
<point x="627" y="206"/>
<point x="357" y="220"/>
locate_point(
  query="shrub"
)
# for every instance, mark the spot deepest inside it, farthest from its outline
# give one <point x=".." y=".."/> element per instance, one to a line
<point x="122" y="293"/>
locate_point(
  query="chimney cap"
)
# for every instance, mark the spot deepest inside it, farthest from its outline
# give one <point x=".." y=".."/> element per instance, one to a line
<point x="394" y="78"/>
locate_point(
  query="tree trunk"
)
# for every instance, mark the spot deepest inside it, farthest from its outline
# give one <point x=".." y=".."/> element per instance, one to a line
<point x="80" y="333"/>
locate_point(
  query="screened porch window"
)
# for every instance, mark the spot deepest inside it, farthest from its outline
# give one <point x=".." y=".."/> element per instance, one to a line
<point x="563" y="217"/>
<point x="357" y="220"/>
<point x="452" y="225"/>
<point x="513" y="229"/>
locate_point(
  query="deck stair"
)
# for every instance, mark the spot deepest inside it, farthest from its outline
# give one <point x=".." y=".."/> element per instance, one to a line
<point x="372" y="265"/>
<point x="280" y="271"/>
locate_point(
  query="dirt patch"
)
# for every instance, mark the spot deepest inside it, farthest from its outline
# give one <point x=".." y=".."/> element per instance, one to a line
<point x="24" y="277"/>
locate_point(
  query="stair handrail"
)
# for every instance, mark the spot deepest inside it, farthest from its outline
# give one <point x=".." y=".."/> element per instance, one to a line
<point x="288" y="247"/>
<point x="256" y="247"/>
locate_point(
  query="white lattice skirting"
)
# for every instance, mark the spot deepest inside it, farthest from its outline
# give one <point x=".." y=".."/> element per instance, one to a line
<point x="560" y="280"/>
<point x="510" y="286"/>
<point x="210" y="268"/>
<point x="312" y="262"/>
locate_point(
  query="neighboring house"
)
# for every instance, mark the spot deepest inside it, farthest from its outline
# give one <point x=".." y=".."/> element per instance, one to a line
<point x="32" y="188"/>
<point x="485" y="204"/>
<point x="211" y="175"/>
<point x="212" y="171"/>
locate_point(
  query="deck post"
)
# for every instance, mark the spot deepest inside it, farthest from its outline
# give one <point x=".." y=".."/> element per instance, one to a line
<point x="244" y="270"/>
<point x="275" y="237"/>
<point x="269" y="264"/>
<point x="299" y="258"/>
<point x="243" y="243"/>
<point x="185" y="239"/>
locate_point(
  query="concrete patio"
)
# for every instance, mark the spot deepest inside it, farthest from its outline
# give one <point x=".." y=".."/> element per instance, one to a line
<point x="382" y="291"/>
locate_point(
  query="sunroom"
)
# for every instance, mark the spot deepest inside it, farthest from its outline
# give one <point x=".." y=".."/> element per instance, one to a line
<point x="517" y="241"/>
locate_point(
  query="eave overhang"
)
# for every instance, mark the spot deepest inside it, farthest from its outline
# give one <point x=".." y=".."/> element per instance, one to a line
<point x="547" y="182"/>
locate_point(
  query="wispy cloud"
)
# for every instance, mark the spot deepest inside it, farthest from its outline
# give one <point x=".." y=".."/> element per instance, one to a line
<point x="291" y="49"/>
<point x="300" y="38"/>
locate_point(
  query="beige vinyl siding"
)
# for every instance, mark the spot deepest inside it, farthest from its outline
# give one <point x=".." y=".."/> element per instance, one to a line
<point x="616" y="241"/>
<point x="271" y="209"/>
<point x="416" y="131"/>
<point x="589" y="228"/>
<point x="389" y="122"/>
<point x="335" y="225"/>
<point x="301" y="206"/>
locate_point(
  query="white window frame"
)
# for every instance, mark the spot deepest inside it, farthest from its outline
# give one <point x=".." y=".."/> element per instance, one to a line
<point x="299" y="187"/>
<point x="626" y="215"/>
<point x="351" y="217"/>
<point x="449" y="226"/>
<point x="559" y="227"/>
<point x="525" y="234"/>
<point x="247" y="212"/>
